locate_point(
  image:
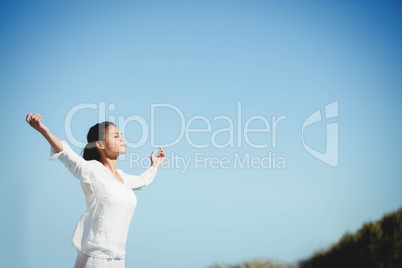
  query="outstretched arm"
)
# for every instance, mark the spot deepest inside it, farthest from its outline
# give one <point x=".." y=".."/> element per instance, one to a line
<point x="145" y="179"/>
<point x="78" y="166"/>
<point x="35" y="121"/>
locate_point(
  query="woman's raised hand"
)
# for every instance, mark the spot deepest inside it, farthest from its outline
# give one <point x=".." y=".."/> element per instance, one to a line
<point x="34" y="121"/>
<point x="157" y="160"/>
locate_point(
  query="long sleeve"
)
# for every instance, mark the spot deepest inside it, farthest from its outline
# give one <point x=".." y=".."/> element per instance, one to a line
<point x="139" y="182"/>
<point x="78" y="166"/>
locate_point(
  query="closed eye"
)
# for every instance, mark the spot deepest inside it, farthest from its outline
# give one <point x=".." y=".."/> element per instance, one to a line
<point x="117" y="133"/>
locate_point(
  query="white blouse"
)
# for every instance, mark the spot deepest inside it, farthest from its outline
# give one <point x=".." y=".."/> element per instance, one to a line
<point x="102" y="230"/>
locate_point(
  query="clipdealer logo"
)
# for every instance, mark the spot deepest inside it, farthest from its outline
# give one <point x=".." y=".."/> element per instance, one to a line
<point x="199" y="159"/>
<point x="330" y="156"/>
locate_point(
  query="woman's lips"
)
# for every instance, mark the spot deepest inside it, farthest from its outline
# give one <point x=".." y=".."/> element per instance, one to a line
<point x="123" y="145"/>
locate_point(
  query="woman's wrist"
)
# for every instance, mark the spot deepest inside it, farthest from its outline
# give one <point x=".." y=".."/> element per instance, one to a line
<point x="154" y="166"/>
<point x="44" y="131"/>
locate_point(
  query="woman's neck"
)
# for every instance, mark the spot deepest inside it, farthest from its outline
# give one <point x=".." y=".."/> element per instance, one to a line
<point x="110" y="164"/>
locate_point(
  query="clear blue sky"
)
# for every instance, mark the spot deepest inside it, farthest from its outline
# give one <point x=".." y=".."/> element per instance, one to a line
<point x="276" y="58"/>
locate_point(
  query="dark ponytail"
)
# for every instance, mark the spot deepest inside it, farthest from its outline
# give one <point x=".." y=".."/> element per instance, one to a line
<point x="95" y="133"/>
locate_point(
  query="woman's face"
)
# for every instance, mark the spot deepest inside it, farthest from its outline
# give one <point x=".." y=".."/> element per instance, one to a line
<point x="114" y="142"/>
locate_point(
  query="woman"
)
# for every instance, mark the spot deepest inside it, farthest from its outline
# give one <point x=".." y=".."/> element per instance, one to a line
<point x="101" y="233"/>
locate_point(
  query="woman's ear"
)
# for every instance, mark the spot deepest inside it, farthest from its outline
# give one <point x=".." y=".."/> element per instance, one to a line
<point x="100" y="145"/>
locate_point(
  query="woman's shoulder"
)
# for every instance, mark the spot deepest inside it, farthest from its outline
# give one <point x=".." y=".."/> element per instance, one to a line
<point x="94" y="162"/>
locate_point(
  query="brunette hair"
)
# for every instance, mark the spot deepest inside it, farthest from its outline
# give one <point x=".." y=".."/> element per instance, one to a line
<point x="95" y="133"/>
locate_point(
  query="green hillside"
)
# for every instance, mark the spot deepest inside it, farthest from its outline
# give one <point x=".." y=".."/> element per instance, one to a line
<point x="377" y="244"/>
